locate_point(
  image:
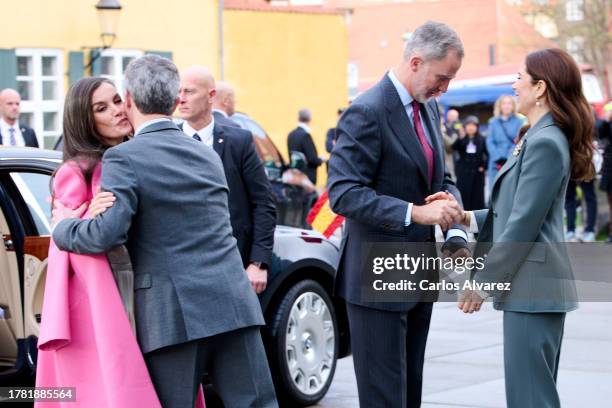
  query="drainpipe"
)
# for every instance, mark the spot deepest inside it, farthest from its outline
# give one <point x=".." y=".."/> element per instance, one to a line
<point x="221" y="6"/>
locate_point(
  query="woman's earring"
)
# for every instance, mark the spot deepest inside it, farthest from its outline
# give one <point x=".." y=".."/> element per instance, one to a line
<point x="538" y="103"/>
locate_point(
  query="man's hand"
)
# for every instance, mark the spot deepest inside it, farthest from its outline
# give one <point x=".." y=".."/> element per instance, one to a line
<point x="469" y="302"/>
<point x="444" y="212"/>
<point x="102" y="201"/>
<point x="61" y="212"/>
<point x="258" y="277"/>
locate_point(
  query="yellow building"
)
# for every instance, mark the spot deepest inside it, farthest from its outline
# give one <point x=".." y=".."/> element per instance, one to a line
<point x="279" y="60"/>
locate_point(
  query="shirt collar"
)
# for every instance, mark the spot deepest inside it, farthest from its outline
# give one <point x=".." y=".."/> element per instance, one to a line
<point x="205" y="133"/>
<point x="148" y="123"/>
<point x="401" y="89"/>
<point x="304" y="126"/>
<point x="7" y="126"/>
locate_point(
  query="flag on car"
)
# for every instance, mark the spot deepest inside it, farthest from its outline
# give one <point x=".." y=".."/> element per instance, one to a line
<point x="322" y="218"/>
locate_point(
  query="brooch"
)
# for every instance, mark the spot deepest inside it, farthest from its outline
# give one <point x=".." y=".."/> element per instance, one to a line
<point x="517" y="148"/>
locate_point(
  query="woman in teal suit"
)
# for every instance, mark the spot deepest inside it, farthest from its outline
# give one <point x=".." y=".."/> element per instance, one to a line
<point x="525" y="221"/>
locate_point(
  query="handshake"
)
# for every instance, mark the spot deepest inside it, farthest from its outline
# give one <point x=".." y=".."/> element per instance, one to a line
<point x="441" y="208"/>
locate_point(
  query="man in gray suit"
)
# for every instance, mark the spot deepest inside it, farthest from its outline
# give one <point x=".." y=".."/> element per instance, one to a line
<point x="195" y="308"/>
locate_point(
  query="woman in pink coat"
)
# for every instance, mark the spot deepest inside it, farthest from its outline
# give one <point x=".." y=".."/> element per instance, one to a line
<point x="87" y="339"/>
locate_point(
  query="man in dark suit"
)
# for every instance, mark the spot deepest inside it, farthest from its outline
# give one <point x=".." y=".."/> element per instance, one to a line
<point x="387" y="159"/>
<point x="224" y="104"/>
<point x="251" y="203"/>
<point x="195" y="310"/>
<point x="300" y="140"/>
<point x="330" y="137"/>
<point x="12" y="133"/>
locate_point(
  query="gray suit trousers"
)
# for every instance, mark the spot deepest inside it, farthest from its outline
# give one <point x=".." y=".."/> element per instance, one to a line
<point x="532" y="346"/>
<point x="236" y="362"/>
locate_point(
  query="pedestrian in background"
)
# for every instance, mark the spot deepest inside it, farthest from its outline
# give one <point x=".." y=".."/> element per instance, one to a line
<point x="503" y="130"/>
<point x="300" y="140"/>
<point x="450" y="132"/>
<point x="472" y="163"/>
<point x="11" y="131"/>
<point x="330" y="138"/>
<point x="605" y="134"/>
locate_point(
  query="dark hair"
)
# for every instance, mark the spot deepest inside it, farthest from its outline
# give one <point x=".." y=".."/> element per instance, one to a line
<point x="568" y="106"/>
<point x="82" y="142"/>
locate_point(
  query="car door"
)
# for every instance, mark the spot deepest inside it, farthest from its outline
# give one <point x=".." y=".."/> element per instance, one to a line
<point x="11" y="308"/>
<point x="27" y="186"/>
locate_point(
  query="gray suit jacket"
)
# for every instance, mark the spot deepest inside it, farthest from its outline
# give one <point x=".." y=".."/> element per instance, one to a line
<point x="524" y="223"/>
<point x="171" y="211"/>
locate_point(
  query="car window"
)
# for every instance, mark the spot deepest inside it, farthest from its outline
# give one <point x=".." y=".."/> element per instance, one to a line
<point x="34" y="189"/>
<point x="255" y="128"/>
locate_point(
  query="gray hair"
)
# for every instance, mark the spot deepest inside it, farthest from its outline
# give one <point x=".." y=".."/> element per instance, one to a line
<point x="153" y="82"/>
<point x="304" y="115"/>
<point x="433" y="40"/>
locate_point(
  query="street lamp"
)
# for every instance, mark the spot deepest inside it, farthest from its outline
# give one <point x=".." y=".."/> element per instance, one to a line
<point x="108" y="17"/>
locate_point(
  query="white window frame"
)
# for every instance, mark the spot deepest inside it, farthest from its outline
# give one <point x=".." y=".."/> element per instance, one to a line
<point x="118" y="54"/>
<point x="573" y="46"/>
<point x="37" y="106"/>
<point x="574" y="10"/>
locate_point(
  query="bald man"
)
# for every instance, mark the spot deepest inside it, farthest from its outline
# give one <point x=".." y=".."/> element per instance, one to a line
<point x="251" y="203"/>
<point x="12" y="133"/>
<point x="224" y="103"/>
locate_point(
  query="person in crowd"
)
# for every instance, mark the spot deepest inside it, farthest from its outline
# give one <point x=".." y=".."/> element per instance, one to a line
<point x="330" y="137"/>
<point x="251" y="202"/>
<point x="524" y="225"/>
<point x="605" y="135"/>
<point x="224" y="104"/>
<point x="387" y="159"/>
<point x="195" y="308"/>
<point x="11" y="131"/>
<point x="571" y="203"/>
<point x="450" y="132"/>
<point x="502" y="133"/>
<point x="471" y="165"/>
<point x="300" y="140"/>
<point x="93" y="343"/>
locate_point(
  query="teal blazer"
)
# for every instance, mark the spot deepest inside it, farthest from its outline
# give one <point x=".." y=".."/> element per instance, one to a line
<point x="524" y="226"/>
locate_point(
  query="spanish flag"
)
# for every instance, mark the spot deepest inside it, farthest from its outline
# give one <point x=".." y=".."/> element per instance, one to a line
<point x="322" y="218"/>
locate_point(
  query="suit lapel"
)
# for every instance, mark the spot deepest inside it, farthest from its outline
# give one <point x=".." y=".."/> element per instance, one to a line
<point x="219" y="140"/>
<point x="400" y="123"/>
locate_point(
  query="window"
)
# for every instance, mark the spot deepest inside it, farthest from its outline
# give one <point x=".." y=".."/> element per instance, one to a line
<point x="574" y="10"/>
<point x="34" y="189"/>
<point x="40" y="75"/>
<point x="113" y="63"/>
<point x="574" y="47"/>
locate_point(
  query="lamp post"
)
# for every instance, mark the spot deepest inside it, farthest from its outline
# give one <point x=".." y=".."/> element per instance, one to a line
<point x="108" y="17"/>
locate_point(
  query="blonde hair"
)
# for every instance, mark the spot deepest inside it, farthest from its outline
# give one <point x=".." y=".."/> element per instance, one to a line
<point x="498" y="102"/>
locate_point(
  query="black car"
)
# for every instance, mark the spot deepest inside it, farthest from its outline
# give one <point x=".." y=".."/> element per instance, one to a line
<point x="306" y="329"/>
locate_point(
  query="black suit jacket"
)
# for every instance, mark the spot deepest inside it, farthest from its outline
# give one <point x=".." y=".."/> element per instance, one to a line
<point x="376" y="168"/>
<point x="223" y="120"/>
<point x="299" y="140"/>
<point x="251" y="203"/>
<point x="29" y="136"/>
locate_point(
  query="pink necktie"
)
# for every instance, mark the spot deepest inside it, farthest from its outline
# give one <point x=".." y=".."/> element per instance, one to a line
<point x="418" y="127"/>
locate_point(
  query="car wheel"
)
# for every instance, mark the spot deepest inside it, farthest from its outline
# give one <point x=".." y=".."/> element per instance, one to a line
<point x="304" y="344"/>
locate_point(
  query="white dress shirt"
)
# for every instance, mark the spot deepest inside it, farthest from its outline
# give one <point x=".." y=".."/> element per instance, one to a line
<point x="206" y="133"/>
<point x="6" y="133"/>
<point x="149" y="122"/>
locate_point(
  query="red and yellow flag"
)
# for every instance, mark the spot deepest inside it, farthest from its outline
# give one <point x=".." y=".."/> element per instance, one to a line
<point x="322" y="218"/>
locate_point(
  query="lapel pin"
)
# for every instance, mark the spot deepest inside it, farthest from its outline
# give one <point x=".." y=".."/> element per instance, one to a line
<point x="220" y="140"/>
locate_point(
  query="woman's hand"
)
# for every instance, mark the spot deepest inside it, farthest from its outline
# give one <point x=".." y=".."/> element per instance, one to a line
<point x="61" y="212"/>
<point x="102" y="201"/>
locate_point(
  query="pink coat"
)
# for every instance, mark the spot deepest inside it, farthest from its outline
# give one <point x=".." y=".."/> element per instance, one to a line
<point x="86" y="340"/>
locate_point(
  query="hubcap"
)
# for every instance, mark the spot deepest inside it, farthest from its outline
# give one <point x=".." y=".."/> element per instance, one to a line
<point x="310" y="340"/>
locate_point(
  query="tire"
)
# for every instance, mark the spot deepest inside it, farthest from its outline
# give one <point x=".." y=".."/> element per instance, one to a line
<point x="304" y="343"/>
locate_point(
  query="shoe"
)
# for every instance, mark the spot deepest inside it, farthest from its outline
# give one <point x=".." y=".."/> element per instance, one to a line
<point x="570" y="236"/>
<point x="588" y="237"/>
